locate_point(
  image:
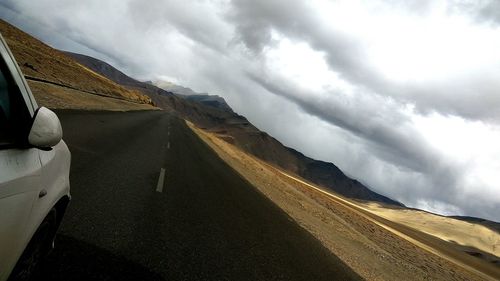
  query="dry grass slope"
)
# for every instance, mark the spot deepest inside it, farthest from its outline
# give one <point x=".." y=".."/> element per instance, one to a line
<point x="63" y="77"/>
<point x="351" y="233"/>
<point x="55" y="97"/>
<point x="466" y="236"/>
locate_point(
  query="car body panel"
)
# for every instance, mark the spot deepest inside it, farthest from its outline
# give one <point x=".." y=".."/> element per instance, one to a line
<point x="19" y="175"/>
<point x="24" y="173"/>
<point x="54" y="179"/>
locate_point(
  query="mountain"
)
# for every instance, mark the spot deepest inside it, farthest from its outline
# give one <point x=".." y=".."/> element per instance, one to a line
<point x="174" y="88"/>
<point x="188" y="105"/>
<point x="212" y="113"/>
<point x="188" y="94"/>
<point x="50" y="70"/>
<point x="403" y="243"/>
<point x="102" y="68"/>
<point x="87" y="76"/>
<point x="493" y="225"/>
<point x="210" y="100"/>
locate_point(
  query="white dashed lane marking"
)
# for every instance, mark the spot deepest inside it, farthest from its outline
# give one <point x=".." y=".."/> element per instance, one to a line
<point x="161" y="180"/>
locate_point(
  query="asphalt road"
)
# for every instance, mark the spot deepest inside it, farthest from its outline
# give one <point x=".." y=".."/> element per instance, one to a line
<point x="207" y="223"/>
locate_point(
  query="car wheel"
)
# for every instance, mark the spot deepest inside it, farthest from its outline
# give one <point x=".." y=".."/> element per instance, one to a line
<point x="39" y="246"/>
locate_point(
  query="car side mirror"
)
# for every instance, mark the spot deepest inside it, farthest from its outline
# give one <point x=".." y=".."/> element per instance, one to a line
<point x="46" y="130"/>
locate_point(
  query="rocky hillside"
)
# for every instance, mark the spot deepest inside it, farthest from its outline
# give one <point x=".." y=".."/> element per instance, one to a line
<point x="43" y="64"/>
<point x="152" y="88"/>
<point x="213" y="114"/>
<point x="188" y="94"/>
<point x="80" y="77"/>
<point x="210" y="100"/>
<point x="204" y="110"/>
<point x="174" y="88"/>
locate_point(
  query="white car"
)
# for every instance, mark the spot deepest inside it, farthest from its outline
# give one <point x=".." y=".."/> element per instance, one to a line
<point x="34" y="174"/>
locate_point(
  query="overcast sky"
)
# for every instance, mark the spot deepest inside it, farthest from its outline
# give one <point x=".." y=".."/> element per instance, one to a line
<point x="402" y="95"/>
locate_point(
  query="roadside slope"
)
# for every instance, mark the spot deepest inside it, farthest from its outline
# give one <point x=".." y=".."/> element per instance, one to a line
<point x="376" y="248"/>
<point x="238" y="130"/>
<point x="473" y="238"/>
<point x="205" y="222"/>
<point x="58" y="81"/>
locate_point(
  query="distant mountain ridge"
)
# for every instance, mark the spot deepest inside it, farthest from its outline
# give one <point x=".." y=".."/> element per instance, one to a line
<point x="212" y="113"/>
<point x="152" y="88"/>
<point x="107" y="70"/>
<point x="174" y="88"/>
<point x="210" y="100"/>
<point x="188" y="94"/>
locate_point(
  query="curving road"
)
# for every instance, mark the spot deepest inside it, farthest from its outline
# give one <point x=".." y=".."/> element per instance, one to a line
<point x="199" y="221"/>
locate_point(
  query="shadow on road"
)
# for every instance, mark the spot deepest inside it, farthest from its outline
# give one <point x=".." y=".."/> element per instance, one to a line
<point x="76" y="260"/>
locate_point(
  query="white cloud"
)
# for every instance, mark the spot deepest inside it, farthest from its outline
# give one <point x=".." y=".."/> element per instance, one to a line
<point x="401" y="95"/>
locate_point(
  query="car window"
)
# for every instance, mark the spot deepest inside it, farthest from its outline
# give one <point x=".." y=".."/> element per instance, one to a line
<point x="14" y="114"/>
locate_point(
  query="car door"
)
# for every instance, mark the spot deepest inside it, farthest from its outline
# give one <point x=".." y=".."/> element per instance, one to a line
<point x="19" y="165"/>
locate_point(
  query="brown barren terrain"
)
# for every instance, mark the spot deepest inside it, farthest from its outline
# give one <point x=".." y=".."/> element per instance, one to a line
<point x="375" y="247"/>
<point x="56" y="97"/>
<point x="474" y="238"/>
<point x="378" y="241"/>
<point x="58" y="81"/>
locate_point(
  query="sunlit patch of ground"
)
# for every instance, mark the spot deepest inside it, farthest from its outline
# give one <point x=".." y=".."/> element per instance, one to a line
<point x="374" y="247"/>
<point x="57" y="97"/>
<point x="451" y="230"/>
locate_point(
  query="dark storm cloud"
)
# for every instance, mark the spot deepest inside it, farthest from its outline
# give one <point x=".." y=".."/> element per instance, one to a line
<point x="255" y="21"/>
<point x="190" y="19"/>
<point x="388" y="135"/>
<point x="390" y="132"/>
<point x="490" y="12"/>
<point x="475" y="99"/>
<point x="9" y="6"/>
<point x="485" y="11"/>
<point x="9" y="13"/>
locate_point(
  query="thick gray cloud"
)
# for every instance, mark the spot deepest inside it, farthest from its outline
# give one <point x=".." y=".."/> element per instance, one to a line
<point x="476" y="98"/>
<point x="370" y="131"/>
<point x="387" y="132"/>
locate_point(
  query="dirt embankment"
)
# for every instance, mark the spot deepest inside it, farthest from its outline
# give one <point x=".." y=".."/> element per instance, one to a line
<point x="473" y="238"/>
<point x="57" y="97"/>
<point x="58" y="81"/>
<point x="361" y="239"/>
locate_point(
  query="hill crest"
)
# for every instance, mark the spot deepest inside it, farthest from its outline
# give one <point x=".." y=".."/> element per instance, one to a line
<point x="212" y="113"/>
